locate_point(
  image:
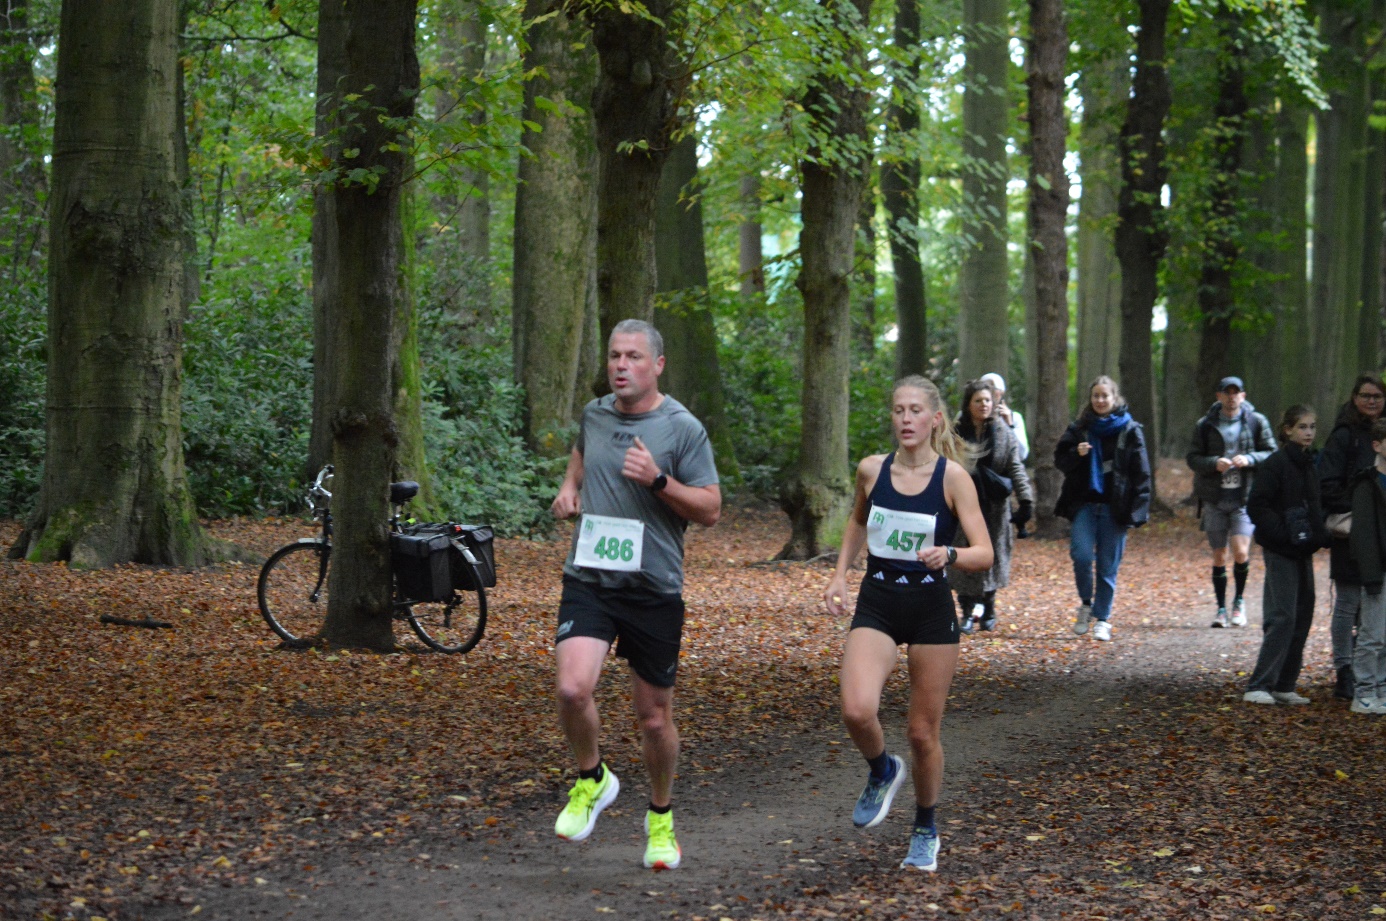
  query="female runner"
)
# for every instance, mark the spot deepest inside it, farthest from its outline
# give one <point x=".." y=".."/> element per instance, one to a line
<point x="908" y="506"/>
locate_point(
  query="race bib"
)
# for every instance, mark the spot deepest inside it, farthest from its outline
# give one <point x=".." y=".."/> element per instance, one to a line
<point x="1232" y="478"/>
<point x="892" y="535"/>
<point x="610" y="543"/>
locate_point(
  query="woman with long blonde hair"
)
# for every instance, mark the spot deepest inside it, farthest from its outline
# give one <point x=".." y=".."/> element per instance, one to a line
<point x="908" y="506"/>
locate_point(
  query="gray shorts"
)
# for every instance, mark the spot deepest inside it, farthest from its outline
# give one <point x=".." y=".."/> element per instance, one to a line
<point x="1220" y="523"/>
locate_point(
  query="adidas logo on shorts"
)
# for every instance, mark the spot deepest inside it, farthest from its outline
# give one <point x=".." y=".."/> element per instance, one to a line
<point x="879" y="575"/>
<point x="903" y="580"/>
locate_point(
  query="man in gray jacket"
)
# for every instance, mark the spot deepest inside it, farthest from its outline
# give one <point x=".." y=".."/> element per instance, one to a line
<point x="1228" y="443"/>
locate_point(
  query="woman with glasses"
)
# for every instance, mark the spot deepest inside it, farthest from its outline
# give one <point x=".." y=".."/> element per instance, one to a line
<point x="1347" y="451"/>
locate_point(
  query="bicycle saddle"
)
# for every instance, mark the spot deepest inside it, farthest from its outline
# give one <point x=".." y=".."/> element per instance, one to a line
<point x="401" y="493"/>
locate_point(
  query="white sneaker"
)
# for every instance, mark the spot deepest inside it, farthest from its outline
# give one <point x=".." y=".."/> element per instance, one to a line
<point x="1080" y="622"/>
<point x="1259" y="697"/>
<point x="1239" y="612"/>
<point x="1290" y="697"/>
<point x="1369" y="705"/>
<point x="1102" y="631"/>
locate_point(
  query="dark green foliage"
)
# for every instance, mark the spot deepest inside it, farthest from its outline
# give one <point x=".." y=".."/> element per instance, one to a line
<point x="23" y="328"/>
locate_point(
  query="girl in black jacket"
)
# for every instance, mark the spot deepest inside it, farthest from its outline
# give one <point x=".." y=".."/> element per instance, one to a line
<point x="1285" y="508"/>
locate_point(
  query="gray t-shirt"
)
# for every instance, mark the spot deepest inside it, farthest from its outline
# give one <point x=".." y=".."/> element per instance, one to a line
<point x="1230" y="496"/>
<point x="680" y="447"/>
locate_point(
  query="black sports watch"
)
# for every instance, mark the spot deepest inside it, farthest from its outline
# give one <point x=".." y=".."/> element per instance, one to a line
<point x="659" y="483"/>
<point x="952" y="555"/>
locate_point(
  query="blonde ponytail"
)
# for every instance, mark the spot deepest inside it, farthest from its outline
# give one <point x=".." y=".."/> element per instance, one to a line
<point x="944" y="439"/>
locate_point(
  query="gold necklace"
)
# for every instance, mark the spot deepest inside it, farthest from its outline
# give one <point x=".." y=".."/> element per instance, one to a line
<point x="913" y="466"/>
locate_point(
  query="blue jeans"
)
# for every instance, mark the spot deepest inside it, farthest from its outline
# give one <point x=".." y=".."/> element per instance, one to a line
<point x="1096" y="539"/>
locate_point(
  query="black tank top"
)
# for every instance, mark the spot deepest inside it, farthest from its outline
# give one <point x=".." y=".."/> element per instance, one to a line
<point x="929" y="502"/>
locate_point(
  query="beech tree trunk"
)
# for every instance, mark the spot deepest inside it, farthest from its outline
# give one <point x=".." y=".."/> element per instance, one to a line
<point x="555" y="229"/>
<point x="1141" y="236"/>
<point x="817" y="493"/>
<point x="114" y="487"/>
<point x="864" y="317"/>
<point x="371" y="47"/>
<point x="1104" y="89"/>
<point x="1048" y="216"/>
<point x="682" y="315"/>
<point x="1291" y="223"/>
<point x="637" y="116"/>
<point x="900" y="177"/>
<point x="984" y="290"/>
<point x="1221" y="246"/>
<point x="750" y="252"/>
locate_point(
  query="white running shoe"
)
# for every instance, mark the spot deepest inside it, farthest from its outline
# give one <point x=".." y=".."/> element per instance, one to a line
<point x="1259" y="697"/>
<point x="1102" y="631"/>
<point x="1290" y="697"/>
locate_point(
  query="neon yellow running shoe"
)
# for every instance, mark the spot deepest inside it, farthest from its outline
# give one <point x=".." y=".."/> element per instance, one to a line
<point x="586" y="801"/>
<point x="662" y="853"/>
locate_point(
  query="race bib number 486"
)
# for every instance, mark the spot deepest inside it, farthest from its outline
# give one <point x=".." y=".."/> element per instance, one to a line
<point x="610" y="543"/>
<point x="892" y="535"/>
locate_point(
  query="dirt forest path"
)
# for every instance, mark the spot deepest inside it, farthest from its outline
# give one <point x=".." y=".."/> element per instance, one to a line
<point x="203" y="772"/>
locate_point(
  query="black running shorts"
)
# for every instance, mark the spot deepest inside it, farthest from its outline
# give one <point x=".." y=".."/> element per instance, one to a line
<point x="646" y="626"/>
<point x="913" y="614"/>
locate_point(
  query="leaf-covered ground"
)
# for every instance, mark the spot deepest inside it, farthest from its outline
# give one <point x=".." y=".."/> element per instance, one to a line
<point x="203" y="770"/>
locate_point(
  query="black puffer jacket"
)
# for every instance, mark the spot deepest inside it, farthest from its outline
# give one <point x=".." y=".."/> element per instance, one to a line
<point x="1130" y="494"/>
<point x="1347" y="451"/>
<point x="1367" y="542"/>
<point x="1287" y="480"/>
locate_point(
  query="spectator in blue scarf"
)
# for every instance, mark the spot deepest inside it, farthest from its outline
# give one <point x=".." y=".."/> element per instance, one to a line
<point x="1106" y="491"/>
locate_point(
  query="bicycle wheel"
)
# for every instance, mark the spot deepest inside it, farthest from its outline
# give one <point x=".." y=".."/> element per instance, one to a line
<point x="455" y="625"/>
<point x="293" y="590"/>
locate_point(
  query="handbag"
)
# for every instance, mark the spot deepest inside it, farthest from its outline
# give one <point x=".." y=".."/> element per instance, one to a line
<point x="1339" y="524"/>
<point x="1297" y="523"/>
<point x="994" y="485"/>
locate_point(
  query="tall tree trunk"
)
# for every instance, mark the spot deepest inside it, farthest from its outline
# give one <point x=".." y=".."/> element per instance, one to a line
<point x="1048" y="216"/>
<point x="864" y="317"/>
<point x="1222" y="237"/>
<point x="462" y="46"/>
<point x="1104" y="89"/>
<point x="114" y="487"/>
<point x="555" y="227"/>
<point x="1291" y="224"/>
<point x="1369" y="327"/>
<point x="1257" y="352"/>
<point x="818" y="491"/>
<point x="984" y="283"/>
<point x="637" y="116"/>
<point x="1141" y="236"/>
<point x="750" y="255"/>
<point x="372" y="48"/>
<point x="1339" y="185"/>
<point x="900" y="177"/>
<point x="682" y="315"/>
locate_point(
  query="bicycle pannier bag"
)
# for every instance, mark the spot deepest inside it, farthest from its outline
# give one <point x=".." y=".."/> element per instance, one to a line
<point x="421" y="566"/>
<point x="479" y="539"/>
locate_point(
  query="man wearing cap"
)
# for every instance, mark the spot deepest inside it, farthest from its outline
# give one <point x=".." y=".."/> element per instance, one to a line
<point x="1228" y="444"/>
<point x="1003" y="411"/>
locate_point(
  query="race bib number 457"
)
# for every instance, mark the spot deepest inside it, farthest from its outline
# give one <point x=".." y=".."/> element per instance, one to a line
<point x="892" y="535"/>
<point x="610" y="543"/>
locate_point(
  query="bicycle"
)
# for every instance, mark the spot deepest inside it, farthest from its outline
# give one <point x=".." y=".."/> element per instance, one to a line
<point x="292" y="589"/>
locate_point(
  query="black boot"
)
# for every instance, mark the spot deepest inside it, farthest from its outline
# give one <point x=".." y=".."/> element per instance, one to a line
<point x="966" y="604"/>
<point x="1343" y="687"/>
<point x="988" y="611"/>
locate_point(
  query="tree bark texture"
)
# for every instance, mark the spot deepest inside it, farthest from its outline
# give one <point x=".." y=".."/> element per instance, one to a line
<point x="1257" y="351"/>
<point x="750" y="250"/>
<point x="372" y="48"/>
<point x="900" y="178"/>
<point x="641" y="80"/>
<point x="114" y="487"/>
<point x="984" y="286"/>
<point x="1369" y="318"/>
<point x="555" y="229"/>
<point x="1339" y="186"/>
<point x="1048" y="215"/>
<point x="1141" y="236"/>
<point x="1291" y="223"/>
<point x="817" y="493"/>
<point x="1104" y="89"/>
<point x="682" y="315"/>
<point x="1221" y="246"/>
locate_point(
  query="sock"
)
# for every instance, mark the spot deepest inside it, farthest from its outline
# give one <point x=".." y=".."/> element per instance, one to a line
<point x="660" y="810"/>
<point x="882" y="768"/>
<point x="924" y="818"/>
<point x="1220" y="585"/>
<point x="1239" y="573"/>
<point x="594" y="774"/>
<point x="989" y="606"/>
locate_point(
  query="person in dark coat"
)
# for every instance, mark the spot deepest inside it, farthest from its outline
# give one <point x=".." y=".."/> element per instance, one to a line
<point x="1106" y="491"/>
<point x="996" y="449"/>
<point x="1347" y="451"/>
<point x="1285" y="507"/>
<point x="1367" y="545"/>
<point x="1229" y="442"/>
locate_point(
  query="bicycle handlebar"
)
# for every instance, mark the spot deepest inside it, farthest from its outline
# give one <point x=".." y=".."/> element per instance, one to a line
<point x="318" y="490"/>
